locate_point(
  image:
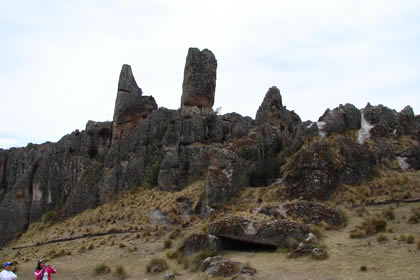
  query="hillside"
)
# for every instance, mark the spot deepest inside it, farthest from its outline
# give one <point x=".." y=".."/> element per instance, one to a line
<point x="266" y="198"/>
<point x="131" y="211"/>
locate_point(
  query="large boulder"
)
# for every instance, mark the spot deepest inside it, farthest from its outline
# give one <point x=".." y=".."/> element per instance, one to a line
<point x="314" y="212"/>
<point x="317" y="169"/>
<point x="276" y="233"/>
<point x="130" y="106"/>
<point x="199" y="86"/>
<point x="340" y="119"/>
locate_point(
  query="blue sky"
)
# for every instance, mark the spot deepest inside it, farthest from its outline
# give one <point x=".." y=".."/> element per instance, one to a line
<point x="60" y="60"/>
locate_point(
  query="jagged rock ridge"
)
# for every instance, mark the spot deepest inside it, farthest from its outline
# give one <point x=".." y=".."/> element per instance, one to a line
<point x="170" y="149"/>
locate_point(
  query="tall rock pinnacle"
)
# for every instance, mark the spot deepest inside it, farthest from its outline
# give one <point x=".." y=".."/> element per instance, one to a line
<point x="130" y="107"/>
<point x="199" y="84"/>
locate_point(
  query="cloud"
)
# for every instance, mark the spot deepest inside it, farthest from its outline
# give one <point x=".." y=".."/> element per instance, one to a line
<point x="61" y="60"/>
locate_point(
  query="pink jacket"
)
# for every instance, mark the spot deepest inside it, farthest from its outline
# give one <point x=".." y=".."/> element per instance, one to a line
<point x="48" y="270"/>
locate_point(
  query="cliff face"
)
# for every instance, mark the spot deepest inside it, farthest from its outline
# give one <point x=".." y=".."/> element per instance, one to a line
<point x="170" y="149"/>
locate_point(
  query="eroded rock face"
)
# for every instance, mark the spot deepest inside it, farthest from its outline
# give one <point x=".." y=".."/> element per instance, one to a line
<point x="317" y="170"/>
<point x="130" y="106"/>
<point x="221" y="267"/>
<point x="199" y="86"/>
<point x="340" y="119"/>
<point x="198" y="242"/>
<point x="270" y="233"/>
<point x="273" y="112"/>
<point x="315" y="212"/>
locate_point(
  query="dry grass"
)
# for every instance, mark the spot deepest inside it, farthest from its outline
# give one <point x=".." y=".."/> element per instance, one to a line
<point x="382" y="259"/>
<point x="386" y="185"/>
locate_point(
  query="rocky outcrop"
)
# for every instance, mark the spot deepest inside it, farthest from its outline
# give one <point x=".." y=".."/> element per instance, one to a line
<point x="317" y="170"/>
<point x="312" y="212"/>
<point x="170" y="149"/>
<point x="199" y="86"/>
<point x="221" y="267"/>
<point x="273" y="112"/>
<point x="130" y="107"/>
<point x="264" y="232"/>
<point x="340" y="119"/>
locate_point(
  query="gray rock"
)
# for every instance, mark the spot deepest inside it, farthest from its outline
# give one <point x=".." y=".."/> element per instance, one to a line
<point x="317" y="170"/>
<point x="315" y="212"/>
<point x="221" y="267"/>
<point x="130" y="106"/>
<point x="270" y="233"/>
<point x="272" y="111"/>
<point x="198" y="88"/>
<point x="340" y="119"/>
<point x="199" y="242"/>
<point x="169" y="276"/>
<point x="306" y="246"/>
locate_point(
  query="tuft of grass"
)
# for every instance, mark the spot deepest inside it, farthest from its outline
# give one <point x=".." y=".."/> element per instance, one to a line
<point x="382" y="238"/>
<point x="413" y="219"/>
<point x="167" y="244"/>
<point x="101" y="269"/>
<point x="363" y="268"/>
<point x="370" y="226"/>
<point x="410" y="239"/>
<point x="156" y="265"/>
<point x="50" y="217"/>
<point x="388" y="213"/>
<point x="120" y="273"/>
<point x="194" y="261"/>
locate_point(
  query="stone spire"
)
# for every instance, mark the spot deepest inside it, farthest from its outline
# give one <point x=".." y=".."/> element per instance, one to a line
<point x="130" y="107"/>
<point x="198" y="88"/>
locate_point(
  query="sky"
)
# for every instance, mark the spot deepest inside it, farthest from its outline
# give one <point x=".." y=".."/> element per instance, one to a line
<point x="60" y="60"/>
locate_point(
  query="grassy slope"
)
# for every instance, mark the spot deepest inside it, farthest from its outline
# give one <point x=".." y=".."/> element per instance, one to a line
<point x="393" y="259"/>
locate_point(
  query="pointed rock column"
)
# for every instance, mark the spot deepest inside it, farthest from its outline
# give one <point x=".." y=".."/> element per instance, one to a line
<point x="198" y="88"/>
<point x="272" y="111"/>
<point x="130" y="107"/>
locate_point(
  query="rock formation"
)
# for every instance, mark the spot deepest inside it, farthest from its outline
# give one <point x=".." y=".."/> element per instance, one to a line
<point x="199" y="86"/>
<point x="130" y="107"/>
<point x="169" y="149"/>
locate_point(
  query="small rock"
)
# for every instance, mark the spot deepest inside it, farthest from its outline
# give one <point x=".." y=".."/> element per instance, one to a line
<point x="169" y="276"/>
<point x="319" y="254"/>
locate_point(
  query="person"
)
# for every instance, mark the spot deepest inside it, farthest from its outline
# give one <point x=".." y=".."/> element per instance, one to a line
<point x="43" y="271"/>
<point x="7" y="274"/>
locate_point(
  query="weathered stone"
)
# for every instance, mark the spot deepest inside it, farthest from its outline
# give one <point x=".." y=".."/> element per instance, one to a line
<point x="199" y="242"/>
<point x="317" y="170"/>
<point x="306" y="246"/>
<point x="340" y="119"/>
<point x="227" y="174"/>
<point x="313" y="211"/>
<point x="169" y="276"/>
<point x="130" y="106"/>
<point x="220" y="267"/>
<point x="198" y="88"/>
<point x="272" y="111"/>
<point x="270" y="233"/>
